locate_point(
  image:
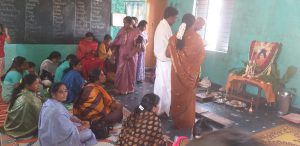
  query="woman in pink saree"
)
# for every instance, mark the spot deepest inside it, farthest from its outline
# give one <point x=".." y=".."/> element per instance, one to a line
<point x="127" y="59"/>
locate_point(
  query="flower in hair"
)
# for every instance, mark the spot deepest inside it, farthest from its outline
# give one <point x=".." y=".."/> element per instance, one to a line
<point x="181" y="31"/>
<point x="141" y="107"/>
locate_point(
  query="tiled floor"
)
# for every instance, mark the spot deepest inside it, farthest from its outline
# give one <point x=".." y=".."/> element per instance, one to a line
<point x="131" y="101"/>
<point x="264" y="118"/>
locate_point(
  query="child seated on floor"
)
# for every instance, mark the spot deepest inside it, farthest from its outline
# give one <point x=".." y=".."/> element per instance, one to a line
<point x="104" y="52"/>
<point x="107" y="56"/>
<point x="110" y="67"/>
<point x="31" y="68"/>
<point x="49" y="65"/>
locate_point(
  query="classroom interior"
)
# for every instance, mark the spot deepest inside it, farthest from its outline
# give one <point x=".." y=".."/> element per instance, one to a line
<point x="234" y="25"/>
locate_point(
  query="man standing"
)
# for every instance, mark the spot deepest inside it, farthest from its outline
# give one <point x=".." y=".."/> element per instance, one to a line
<point x="162" y="84"/>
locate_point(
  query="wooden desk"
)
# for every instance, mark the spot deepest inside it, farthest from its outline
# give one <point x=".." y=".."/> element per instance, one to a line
<point x="236" y="85"/>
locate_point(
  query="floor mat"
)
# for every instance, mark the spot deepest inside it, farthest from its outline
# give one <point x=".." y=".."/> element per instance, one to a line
<point x="3" y="113"/>
<point x="9" y="141"/>
<point x="292" y="117"/>
<point x="282" y="135"/>
<point x="110" y="141"/>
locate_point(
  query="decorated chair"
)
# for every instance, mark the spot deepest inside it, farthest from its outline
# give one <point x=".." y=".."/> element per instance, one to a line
<point x="262" y="55"/>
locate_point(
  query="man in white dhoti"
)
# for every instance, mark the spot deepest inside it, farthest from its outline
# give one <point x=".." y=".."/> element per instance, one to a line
<point x="162" y="84"/>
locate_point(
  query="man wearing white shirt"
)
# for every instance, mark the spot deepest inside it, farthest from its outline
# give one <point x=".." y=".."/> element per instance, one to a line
<point x="162" y="84"/>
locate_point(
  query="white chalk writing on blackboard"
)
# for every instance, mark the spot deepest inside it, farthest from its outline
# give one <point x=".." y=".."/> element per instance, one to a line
<point x="32" y="27"/>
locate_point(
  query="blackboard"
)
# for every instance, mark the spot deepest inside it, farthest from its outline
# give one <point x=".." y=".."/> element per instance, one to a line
<point x="54" y="21"/>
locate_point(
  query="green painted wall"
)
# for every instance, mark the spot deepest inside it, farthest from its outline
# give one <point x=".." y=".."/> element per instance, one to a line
<point x="35" y="53"/>
<point x="183" y="7"/>
<point x="118" y="6"/>
<point x="268" y="20"/>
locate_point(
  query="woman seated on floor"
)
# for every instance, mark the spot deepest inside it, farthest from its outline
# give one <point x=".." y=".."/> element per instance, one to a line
<point x="95" y="103"/>
<point x="143" y="127"/>
<point x="89" y="63"/>
<point x="63" y="66"/>
<point x="73" y="79"/>
<point x="49" y="65"/>
<point x="23" y="112"/>
<point x="13" y="76"/>
<point x="57" y="127"/>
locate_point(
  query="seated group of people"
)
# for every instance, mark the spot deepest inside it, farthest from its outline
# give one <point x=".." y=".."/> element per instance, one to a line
<point x="34" y="110"/>
<point x="92" y="55"/>
<point x="32" y="113"/>
<point x="54" y="125"/>
<point x="121" y="60"/>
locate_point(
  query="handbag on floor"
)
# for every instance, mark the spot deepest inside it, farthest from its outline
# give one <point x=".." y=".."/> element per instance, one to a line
<point x="201" y="127"/>
<point x="100" y="128"/>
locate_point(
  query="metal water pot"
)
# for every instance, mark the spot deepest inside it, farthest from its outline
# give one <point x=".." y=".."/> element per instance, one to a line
<point x="284" y="101"/>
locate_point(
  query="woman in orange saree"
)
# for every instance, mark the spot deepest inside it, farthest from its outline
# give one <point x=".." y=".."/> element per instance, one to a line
<point x="186" y="50"/>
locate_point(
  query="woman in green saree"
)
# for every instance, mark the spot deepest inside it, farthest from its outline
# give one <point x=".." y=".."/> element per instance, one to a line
<point x="24" y="108"/>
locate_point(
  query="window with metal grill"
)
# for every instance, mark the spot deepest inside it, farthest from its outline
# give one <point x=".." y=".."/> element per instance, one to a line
<point x="218" y="16"/>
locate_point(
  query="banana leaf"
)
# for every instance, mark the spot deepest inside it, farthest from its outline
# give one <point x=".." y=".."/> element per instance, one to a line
<point x="290" y="72"/>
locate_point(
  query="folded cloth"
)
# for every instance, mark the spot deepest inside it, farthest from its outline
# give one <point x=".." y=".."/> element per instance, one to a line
<point x="179" y="140"/>
<point x="46" y="83"/>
